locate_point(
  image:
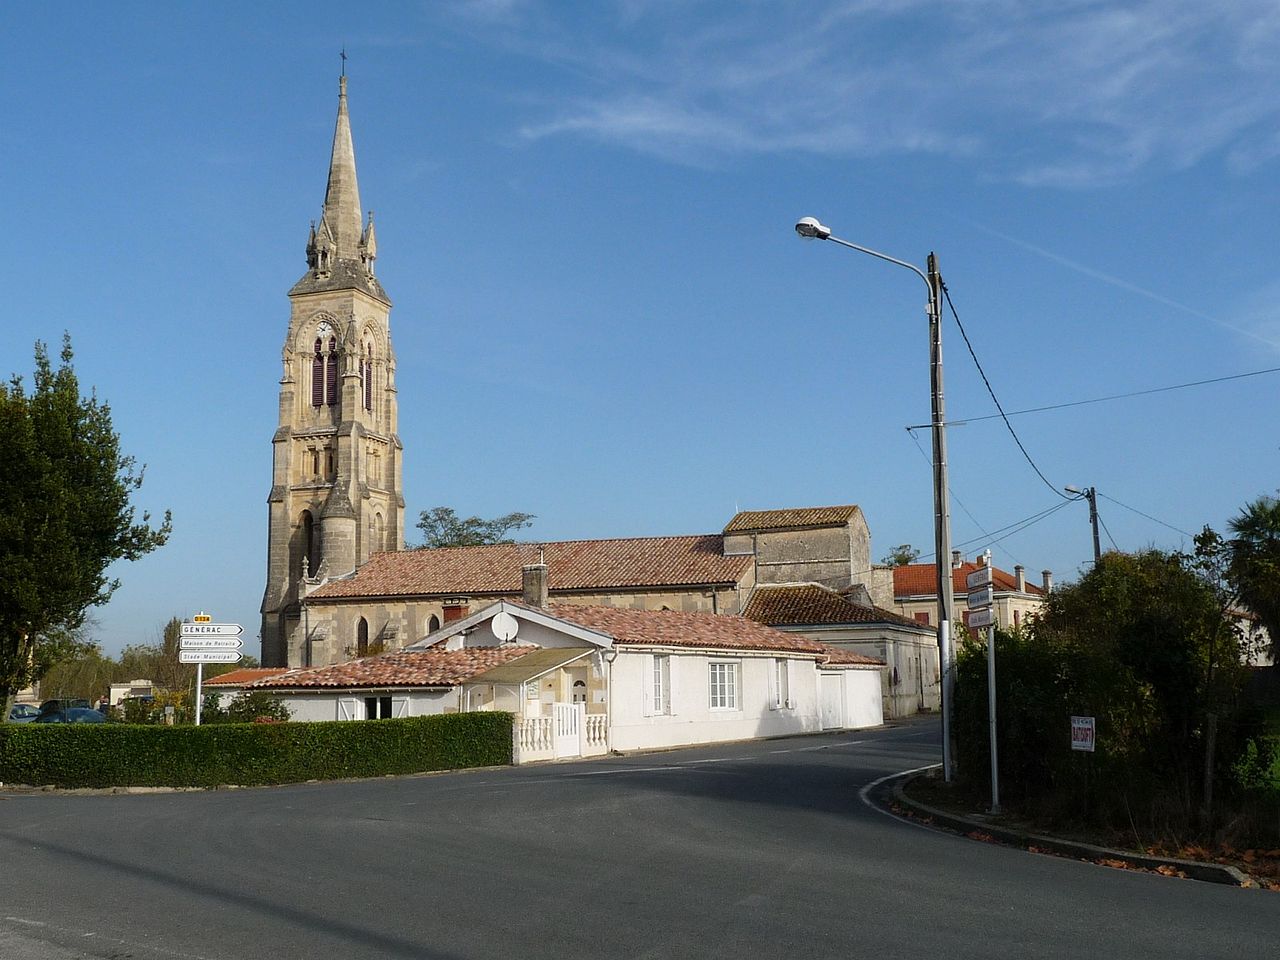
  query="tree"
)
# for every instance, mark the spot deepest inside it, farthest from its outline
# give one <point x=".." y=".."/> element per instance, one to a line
<point x="65" y="514"/>
<point x="1255" y="564"/>
<point x="442" y="527"/>
<point x="900" y="555"/>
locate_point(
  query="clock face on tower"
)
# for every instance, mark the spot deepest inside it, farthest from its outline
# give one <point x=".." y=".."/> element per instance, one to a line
<point x="324" y="329"/>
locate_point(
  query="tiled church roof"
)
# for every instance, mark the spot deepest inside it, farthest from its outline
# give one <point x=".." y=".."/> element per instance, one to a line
<point x="790" y="519"/>
<point x="676" y="628"/>
<point x="809" y="603"/>
<point x="573" y="565"/>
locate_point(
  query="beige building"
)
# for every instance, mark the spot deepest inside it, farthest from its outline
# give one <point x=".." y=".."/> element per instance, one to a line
<point x="335" y="495"/>
<point x="915" y="592"/>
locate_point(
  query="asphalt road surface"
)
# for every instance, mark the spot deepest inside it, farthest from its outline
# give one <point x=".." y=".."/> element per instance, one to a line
<point x="740" y="851"/>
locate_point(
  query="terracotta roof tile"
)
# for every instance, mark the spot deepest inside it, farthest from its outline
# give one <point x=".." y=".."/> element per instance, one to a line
<point x="918" y="580"/>
<point x="573" y="565"/>
<point x="405" y="668"/>
<point x="789" y="605"/>
<point x="747" y="520"/>
<point x="243" y="676"/>
<point x="676" y="628"/>
<point x="839" y="657"/>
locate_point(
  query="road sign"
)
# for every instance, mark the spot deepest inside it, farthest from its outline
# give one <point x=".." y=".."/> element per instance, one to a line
<point x="211" y="643"/>
<point x="212" y="630"/>
<point x="1082" y="731"/>
<point x="979" y="578"/>
<point x="201" y="618"/>
<point x="982" y="598"/>
<point x="985" y="617"/>
<point x="208" y="656"/>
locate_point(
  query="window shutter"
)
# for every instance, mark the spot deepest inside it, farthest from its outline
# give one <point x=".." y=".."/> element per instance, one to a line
<point x="791" y="683"/>
<point x="773" y="694"/>
<point x="399" y="706"/>
<point x="317" y="378"/>
<point x="646" y="705"/>
<point x="673" y="667"/>
<point x="347" y="709"/>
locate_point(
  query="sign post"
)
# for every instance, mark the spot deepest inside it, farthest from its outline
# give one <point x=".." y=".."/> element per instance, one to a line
<point x="982" y="614"/>
<point x="204" y="641"/>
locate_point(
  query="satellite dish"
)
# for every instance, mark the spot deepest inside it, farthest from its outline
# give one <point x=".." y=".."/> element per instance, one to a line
<point x="504" y="626"/>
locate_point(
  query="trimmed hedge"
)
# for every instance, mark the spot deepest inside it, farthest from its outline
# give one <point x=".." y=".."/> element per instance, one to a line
<point x="111" y="755"/>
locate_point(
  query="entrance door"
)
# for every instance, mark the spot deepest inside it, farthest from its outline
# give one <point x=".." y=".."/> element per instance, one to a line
<point x="831" y="700"/>
<point x="565" y="716"/>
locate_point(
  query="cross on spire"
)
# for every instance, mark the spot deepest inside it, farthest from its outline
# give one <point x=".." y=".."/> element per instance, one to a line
<point x="343" y="55"/>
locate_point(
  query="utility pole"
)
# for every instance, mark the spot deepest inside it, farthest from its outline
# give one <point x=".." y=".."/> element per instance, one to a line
<point x="1091" y="494"/>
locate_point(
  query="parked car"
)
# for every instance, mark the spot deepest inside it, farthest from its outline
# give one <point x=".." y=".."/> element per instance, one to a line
<point x="23" y="713"/>
<point x="65" y="703"/>
<point x="71" y="715"/>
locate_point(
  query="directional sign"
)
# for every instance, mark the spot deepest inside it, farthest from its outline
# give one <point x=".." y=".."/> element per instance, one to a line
<point x="208" y="656"/>
<point x="212" y="630"/>
<point x="982" y="598"/>
<point x="985" y="617"/>
<point x="979" y="578"/>
<point x="211" y="643"/>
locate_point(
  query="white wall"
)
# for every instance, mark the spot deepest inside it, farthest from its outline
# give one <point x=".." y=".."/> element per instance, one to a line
<point x="636" y="726"/>
<point x="324" y="706"/>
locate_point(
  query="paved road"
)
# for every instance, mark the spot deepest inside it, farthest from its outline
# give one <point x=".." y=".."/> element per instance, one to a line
<point x="743" y="851"/>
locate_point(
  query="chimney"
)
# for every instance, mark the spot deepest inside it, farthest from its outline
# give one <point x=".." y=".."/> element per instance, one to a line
<point x="957" y="559"/>
<point x="533" y="578"/>
<point x="1048" y="580"/>
<point x="1020" y="574"/>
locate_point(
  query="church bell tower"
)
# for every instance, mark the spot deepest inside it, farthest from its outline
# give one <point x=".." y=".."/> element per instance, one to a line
<point x="336" y="474"/>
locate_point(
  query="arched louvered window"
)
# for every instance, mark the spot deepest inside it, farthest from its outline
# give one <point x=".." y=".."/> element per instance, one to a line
<point x="366" y="369"/>
<point x="317" y="377"/>
<point x="433" y="624"/>
<point x="362" y="638"/>
<point x="331" y="373"/>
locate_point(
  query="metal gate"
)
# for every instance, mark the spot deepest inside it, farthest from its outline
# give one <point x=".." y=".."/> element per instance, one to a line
<point x="568" y="726"/>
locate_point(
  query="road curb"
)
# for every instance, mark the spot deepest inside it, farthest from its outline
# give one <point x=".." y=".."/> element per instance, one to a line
<point x="1193" y="869"/>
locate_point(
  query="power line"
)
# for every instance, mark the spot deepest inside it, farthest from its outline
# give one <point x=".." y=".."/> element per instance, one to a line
<point x="1013" y="433"/>
<point x="1109" y="536"/>
<point x="1017" y="526"/>
<point x="1114" y="396"/>
<point x="1148" y="516"/>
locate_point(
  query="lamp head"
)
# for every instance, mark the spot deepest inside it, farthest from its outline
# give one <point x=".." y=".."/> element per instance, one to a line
<point x="812" y="229"/>
<point x="1072" y="489"/>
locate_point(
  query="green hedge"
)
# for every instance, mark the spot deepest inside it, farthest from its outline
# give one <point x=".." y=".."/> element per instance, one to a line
<point x="109" y="755"/>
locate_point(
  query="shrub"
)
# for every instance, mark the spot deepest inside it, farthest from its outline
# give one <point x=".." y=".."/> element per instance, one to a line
<point x="105" y="755"/>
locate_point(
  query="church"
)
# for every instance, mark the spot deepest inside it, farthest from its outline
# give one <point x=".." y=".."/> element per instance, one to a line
<point x="340" y="585"/>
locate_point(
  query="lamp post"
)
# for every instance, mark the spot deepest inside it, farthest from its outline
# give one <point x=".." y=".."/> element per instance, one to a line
<point x="1090" y="494"/>
<point x="813" y="229"/>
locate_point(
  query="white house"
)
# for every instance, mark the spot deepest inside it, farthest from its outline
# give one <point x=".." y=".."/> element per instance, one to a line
<point x="584" y="680"/>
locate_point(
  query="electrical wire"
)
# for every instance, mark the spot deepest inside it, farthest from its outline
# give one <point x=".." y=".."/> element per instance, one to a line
<point x="1114" y="396"/>
<point x="1017" y="526"/>
<point x="1013" y="433"/>
<point x="1104" y="526"/>
<point x="1147" y="515"/>
<point x="960" y="503"/>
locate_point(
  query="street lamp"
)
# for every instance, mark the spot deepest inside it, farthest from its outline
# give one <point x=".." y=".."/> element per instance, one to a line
<point x="814" y="229"/>
<point x="1090" y="494"/>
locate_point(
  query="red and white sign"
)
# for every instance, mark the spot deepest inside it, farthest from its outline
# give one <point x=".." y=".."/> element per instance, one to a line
<point x="1082" y="730"/>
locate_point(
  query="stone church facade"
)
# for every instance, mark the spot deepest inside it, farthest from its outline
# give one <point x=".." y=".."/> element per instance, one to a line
<point x="335" y="496"/>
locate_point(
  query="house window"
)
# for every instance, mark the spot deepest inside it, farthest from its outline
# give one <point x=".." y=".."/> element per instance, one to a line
<point x="433" y="624"/>
<point x="781" y="693"/>
<point x="579" y="691"/>
<point x="922" y="618"/>
<point x="362" y="638"/>
<point x="378" y="708"/>
<point x="662" y="684"/>
<point x="1016" y="618"/>
<point x="724" y="686"/>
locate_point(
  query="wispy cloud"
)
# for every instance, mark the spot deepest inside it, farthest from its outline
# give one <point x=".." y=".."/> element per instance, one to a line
<point x="1073" y="94"/>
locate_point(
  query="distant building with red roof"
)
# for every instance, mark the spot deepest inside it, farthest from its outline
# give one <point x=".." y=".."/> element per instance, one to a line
<point x="915" y="592"/>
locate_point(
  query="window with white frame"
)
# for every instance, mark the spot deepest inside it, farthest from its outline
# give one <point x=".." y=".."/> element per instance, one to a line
<point x="781" y="691"/>
<point x="724" y="685"/>
<point x="662" y="684"/>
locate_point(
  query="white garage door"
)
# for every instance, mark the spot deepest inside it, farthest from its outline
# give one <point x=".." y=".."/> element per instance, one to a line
<point x="831" y="700"/>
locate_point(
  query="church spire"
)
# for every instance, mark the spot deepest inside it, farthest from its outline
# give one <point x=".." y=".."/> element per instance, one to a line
<point x="342" y="214"/>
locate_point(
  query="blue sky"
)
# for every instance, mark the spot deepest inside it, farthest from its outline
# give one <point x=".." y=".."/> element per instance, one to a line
<point x="602" y="313"/>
